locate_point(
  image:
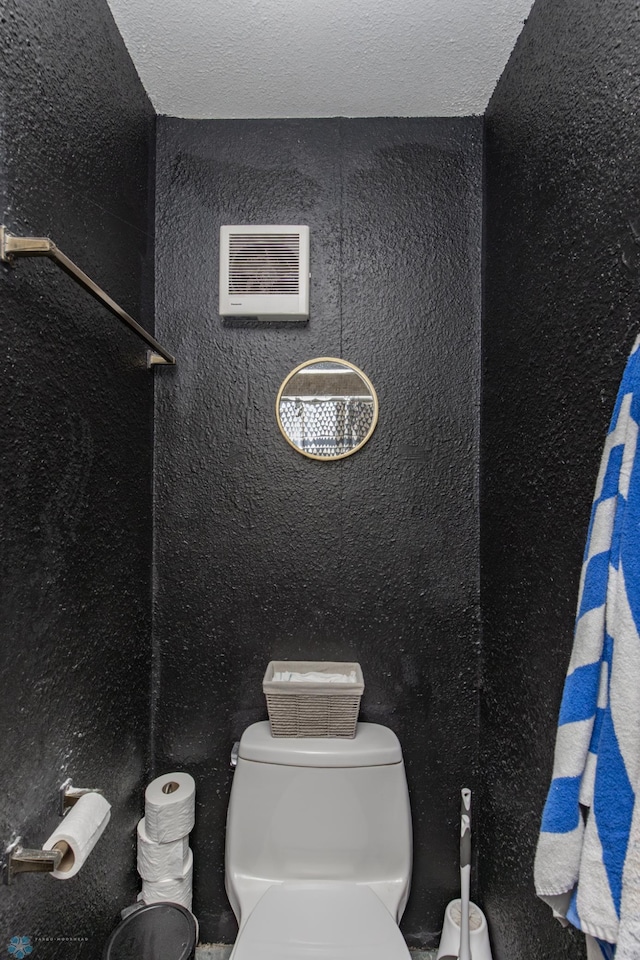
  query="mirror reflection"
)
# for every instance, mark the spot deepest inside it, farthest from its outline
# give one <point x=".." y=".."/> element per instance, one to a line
<point x="327" y="408"/>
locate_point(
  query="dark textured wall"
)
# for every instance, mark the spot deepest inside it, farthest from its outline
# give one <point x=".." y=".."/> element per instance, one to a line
<point x="76" y="147"/>
<point x="262" y="553"/>
<point x="562" y="160"/>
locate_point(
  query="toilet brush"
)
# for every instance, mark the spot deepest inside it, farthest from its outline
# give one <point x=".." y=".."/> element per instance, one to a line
<point x="465" y="927"/>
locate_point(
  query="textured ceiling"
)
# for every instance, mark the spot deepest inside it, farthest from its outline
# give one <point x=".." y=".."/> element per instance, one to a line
<point x="319" y="58"/>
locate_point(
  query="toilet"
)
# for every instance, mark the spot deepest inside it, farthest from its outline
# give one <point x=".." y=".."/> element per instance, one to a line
<point x="318" y="846"/>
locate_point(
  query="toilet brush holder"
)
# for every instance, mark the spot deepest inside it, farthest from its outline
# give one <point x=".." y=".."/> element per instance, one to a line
<point x="478" y="933"/>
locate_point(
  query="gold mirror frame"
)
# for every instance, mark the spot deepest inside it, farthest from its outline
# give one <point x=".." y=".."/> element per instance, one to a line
<point x="368" y="384"/>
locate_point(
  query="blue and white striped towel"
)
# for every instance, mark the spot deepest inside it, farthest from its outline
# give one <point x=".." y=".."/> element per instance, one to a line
<point x="588" y="862"/>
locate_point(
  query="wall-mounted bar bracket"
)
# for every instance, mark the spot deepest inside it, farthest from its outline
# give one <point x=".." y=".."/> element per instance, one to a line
<point x="69" y="795"/>
<point x="19" y="859"/>
<point x="12" y="247"/>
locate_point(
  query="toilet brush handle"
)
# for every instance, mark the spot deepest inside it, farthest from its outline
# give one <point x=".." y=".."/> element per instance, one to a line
<point x="465" y="873"/>
<point x="465" y="828"/>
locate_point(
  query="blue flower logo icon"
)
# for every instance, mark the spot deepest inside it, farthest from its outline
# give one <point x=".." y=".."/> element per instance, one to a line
<point x="20" y="947"/>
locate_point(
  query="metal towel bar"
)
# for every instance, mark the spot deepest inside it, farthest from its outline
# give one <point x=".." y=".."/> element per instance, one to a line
<point x="11" y="247"/>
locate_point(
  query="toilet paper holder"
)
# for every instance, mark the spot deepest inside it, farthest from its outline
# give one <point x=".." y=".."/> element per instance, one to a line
<point x="69" y="795"/>
<point x="19" y="859"/>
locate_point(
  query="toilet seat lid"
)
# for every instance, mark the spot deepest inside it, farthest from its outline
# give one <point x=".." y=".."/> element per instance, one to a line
<point x="320" y="921"/>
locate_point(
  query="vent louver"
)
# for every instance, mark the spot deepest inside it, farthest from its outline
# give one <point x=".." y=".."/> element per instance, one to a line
<point x="264" y="272"/>
<point x="264" y="264"/>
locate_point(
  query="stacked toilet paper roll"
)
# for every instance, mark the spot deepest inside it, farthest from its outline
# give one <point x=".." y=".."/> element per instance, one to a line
<point x="165" y="860"/>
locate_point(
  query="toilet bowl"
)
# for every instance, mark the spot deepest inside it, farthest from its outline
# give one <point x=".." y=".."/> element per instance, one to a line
<point x="318" y="846"/>
<point x="342" y="921"/>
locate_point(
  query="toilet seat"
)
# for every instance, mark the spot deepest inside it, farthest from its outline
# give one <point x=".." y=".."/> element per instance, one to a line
<point x="320" y="921"/>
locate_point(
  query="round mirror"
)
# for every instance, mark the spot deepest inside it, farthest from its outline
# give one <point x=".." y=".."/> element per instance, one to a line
<point x="327" y="408"/>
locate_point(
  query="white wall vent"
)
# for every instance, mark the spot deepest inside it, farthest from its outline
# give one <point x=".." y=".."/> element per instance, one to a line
<point x="264" y="272"/>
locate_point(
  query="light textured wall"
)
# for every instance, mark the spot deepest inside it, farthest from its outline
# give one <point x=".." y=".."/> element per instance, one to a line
<point x="362" y="58"/>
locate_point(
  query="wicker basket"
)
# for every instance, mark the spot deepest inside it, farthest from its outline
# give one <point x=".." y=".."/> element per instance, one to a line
<point x="314" y="709"/>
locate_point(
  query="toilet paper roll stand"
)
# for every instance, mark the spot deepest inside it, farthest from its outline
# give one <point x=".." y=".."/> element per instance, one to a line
<point x="20" y="859"/>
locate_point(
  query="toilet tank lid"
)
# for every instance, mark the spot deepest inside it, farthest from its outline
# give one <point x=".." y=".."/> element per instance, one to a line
<point x="372" y="746"/>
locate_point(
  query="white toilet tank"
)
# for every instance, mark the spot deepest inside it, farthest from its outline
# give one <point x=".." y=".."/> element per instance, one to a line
<point x="321" y="810"/>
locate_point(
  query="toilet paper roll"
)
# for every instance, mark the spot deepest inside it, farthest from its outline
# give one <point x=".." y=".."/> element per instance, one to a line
<point x="178" y="890"/>
<point x="160" y="861"/>
<point x="78" y="833"/>
<point x="170" y="807"/>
